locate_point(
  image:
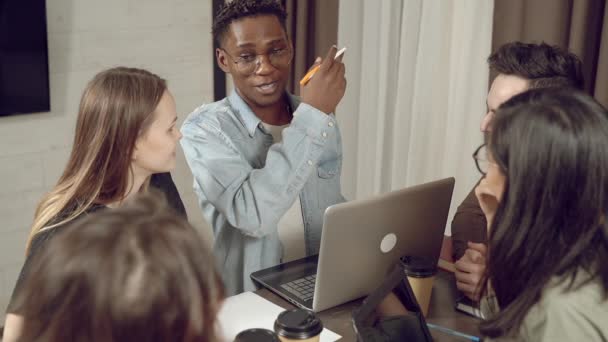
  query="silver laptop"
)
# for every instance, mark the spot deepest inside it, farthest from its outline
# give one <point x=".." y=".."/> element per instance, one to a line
<point x="361" y="242"/>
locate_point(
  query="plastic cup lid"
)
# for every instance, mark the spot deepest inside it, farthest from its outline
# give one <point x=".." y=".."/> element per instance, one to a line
<point x="257" y="335"/>
<point x="298" y="324"/>
<point x="417" y="266"/>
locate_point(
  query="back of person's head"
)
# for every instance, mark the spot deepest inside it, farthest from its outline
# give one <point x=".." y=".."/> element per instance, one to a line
<point x="135" y="273"/>
<point x="545" y="66"/>
<point x="551" y="146"/>
<point x="116" y="108"/>
<point x="239" y="9"/>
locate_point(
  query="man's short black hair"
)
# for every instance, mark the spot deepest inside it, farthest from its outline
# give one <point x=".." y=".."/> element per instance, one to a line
<point x="544" y="65"/>
<point x="238" y="9"/>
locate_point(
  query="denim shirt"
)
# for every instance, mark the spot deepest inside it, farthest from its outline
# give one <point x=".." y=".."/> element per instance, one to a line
<point x="245" y="183"/>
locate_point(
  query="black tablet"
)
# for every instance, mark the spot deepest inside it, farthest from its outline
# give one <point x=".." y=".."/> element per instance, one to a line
<point x="391" y="313"/>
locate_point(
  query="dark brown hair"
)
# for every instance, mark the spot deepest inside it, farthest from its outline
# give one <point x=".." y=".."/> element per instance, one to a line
<point x="550" y="223"/>
<point x="135" y="273"/>
<point x="116" y="108"/>
<point x="543" y="65"/>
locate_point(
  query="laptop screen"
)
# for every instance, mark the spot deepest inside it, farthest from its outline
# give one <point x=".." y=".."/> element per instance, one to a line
<point x="391" y="313"/>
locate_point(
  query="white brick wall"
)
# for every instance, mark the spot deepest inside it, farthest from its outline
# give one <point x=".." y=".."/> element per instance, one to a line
<point x="168" y="37"/>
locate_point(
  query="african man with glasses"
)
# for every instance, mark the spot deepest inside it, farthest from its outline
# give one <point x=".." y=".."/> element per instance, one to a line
<point x="264" y="160"/>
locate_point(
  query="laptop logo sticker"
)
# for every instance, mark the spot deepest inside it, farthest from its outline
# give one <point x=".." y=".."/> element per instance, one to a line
<point x="388" y="243"/>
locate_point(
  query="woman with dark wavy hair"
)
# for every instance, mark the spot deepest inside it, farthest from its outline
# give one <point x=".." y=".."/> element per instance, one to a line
<point x="545" y="196"/>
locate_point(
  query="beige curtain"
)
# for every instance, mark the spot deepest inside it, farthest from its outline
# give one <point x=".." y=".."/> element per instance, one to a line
<point x="417" y="84"/>
<point x="313" y="27"/>
<point x="579" y="25"/>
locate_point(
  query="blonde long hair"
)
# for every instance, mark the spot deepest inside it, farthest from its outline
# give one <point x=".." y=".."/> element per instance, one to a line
<point x="116" y="107"/>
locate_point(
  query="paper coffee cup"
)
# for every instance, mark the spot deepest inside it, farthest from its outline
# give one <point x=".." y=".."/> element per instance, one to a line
<point x="420" y="273"/>
<point x="298" y="326"/>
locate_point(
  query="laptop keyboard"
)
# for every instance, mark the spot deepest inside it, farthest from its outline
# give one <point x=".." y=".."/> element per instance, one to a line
<point x="303" y="288"/>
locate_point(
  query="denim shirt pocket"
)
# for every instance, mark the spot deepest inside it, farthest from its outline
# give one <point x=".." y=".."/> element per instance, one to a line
<point x="329" y="168"/>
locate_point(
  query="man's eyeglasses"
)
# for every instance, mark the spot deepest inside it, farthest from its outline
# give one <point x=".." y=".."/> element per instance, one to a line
<point x="481" y="159"/>
<point x="250" y="63"/>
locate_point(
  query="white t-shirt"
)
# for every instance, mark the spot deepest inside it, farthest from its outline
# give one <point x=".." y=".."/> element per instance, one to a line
<point x="291" y="225"/>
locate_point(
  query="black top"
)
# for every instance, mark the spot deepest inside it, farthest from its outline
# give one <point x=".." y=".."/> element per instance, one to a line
<point x="164" y="183"/>
<point x="161" y="181"/>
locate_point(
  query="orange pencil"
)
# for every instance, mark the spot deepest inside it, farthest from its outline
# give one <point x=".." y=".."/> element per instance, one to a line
<point x="312" y="71"/>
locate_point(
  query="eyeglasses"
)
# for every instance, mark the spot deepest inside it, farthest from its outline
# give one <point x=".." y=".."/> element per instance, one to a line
<point x="250" y="63"/>
<point x="481" y="159"/>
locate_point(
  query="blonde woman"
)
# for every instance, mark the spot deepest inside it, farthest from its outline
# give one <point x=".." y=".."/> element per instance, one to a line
<point x="125" y="133"/>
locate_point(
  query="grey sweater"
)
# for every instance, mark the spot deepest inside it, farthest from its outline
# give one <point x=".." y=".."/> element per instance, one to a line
<point x="575" y="315"/>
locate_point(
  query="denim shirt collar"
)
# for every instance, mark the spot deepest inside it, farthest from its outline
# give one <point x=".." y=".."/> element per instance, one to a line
<point x="247" y="116"/>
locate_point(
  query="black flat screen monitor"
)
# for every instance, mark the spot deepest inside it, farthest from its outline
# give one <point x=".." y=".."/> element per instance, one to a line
<point x="24" y="63"/>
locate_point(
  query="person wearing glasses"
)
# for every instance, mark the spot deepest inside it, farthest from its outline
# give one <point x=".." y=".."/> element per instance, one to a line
<point x="520" y="66"/>
<point x="543" y="194"/>
<point x="262" y="159"/>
